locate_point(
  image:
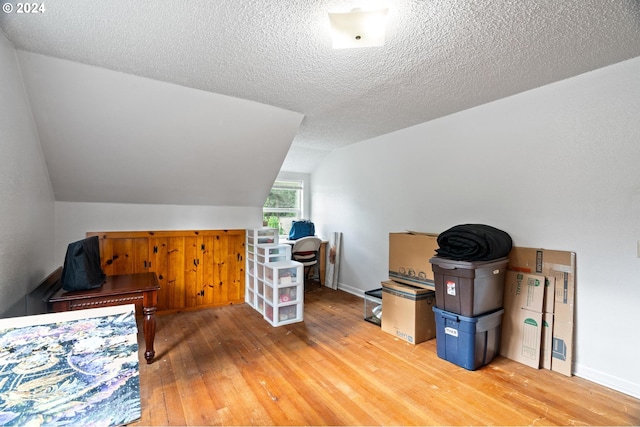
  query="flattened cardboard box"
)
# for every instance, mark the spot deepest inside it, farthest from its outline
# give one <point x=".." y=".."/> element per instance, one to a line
<point x="561" y="265"/>
<point x="509" y="336"/>
<point x="522" y="324"/>
<point x="524" y="290"/>
<point x="549" y="294"/>
<point x="561" y="348"/>
<point x="409" y="255"/>
<point x="547" y="340"/>
<point x="547" y="321"/>
<point x="407" y="312"/>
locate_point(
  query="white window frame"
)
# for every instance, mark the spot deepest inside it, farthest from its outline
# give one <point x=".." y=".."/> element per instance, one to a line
<point x="289" y="184"/>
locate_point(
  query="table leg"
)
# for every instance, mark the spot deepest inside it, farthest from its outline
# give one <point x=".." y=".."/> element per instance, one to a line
<point x="322" y="261"/>
<point x="150" y="303"/>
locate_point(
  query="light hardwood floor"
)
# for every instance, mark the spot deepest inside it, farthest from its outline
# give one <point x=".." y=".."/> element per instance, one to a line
<point x="227" y="366"/>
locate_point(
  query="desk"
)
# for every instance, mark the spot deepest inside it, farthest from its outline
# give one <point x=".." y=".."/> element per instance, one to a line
<point x="140" y="289"/>
<point x="322" y="257"/>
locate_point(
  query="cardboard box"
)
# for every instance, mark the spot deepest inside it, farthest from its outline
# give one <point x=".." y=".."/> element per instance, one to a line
<point x="409" y="254"/>
<point x="407" y="312"/>
<point x="522" y="324"/>
<point x="547" y="340"/>
<point x="549" y="295"/>
<point x="521" y="336"/>
<point x="561" y="346"/>
<point x="524" y="290"/>
<point x="547" y="322"/>
<point x="561" y="266"/>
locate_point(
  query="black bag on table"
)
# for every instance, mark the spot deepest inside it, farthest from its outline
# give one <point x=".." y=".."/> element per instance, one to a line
<point x="81" y="269"/>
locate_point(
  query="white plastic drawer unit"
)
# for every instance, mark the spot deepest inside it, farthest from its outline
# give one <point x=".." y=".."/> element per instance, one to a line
<point x="284" y="314"/>
<point x="274" y="283"/>
<point x="250" y="297"/>
<point x="273" y="253"/>
<point x="283" y="273"/>
<point x="262" y="236"/>
<point x="284" y="295"/>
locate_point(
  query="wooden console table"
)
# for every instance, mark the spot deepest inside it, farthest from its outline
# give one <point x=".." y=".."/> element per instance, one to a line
<point x="140" y="289"/>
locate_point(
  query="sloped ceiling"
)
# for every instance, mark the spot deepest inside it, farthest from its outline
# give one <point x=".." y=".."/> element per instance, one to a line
<point x="149" y="76"/>
<point x="113" y="137"/>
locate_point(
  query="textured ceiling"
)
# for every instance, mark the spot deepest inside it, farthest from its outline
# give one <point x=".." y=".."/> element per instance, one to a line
<point x="441" y="56"/>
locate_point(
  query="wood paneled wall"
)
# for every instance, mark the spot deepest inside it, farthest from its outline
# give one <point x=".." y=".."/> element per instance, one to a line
<point x="195" y="268"/>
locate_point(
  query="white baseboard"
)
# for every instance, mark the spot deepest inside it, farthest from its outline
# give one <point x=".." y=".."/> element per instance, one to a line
<point x="350" y="289"/>
<point x="607" y="380"/>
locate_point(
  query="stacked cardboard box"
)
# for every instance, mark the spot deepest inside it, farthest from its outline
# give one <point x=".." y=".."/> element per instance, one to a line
<point x="407" y="312"/>
<point x="408" y="297"/>
<point x="409" y="254"/>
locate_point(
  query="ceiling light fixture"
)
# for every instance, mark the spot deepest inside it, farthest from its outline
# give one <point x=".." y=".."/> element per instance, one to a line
<point x="358" y="28"/>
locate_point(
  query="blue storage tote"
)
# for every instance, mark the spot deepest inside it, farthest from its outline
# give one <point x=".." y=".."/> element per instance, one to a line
<point x="469" y="342"/>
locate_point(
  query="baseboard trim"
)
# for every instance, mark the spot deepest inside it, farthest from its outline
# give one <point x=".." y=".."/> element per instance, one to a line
<point x="606" y="380"/>
<point x="350" y="289"/>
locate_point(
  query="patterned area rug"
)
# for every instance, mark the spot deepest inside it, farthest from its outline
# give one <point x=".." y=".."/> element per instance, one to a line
<point x="74" y="368"/>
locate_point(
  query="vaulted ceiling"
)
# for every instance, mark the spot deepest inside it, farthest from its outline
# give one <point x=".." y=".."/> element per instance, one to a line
<point x="200" y="102"/>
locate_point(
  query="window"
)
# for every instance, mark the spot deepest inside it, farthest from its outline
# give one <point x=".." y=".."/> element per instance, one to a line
<point x="284" y="205"/>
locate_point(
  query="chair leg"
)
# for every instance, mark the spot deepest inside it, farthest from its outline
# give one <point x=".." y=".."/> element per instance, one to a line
<point x="308" y="270"/>
<point x="307" y="273"/>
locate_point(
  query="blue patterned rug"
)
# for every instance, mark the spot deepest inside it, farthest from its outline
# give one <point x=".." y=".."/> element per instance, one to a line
<point x="74" y="368"/>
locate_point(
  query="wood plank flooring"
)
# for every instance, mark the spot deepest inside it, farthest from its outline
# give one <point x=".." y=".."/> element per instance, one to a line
<point x="227" y="366"/>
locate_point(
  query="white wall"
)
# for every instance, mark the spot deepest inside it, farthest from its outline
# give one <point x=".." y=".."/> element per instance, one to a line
<point x="26" y="198"/>
<point x="73" y="219"/>
<point x="557" y="167"/>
